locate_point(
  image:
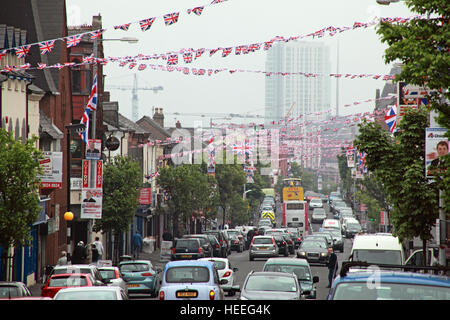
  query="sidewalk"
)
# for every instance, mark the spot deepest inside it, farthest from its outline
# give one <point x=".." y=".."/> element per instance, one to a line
<point x="154" y="257"/>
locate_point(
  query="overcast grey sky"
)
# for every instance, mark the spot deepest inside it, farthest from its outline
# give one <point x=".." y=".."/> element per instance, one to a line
<point x="229" y="24"/>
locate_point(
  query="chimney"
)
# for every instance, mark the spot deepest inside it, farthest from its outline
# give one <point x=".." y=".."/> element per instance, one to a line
<point x="158" y="117"/>
<point x="178" y="124"/>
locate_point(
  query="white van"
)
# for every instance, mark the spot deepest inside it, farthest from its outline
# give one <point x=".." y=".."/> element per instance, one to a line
<point x="331" y="224"/>
<point x="378" y="248"/>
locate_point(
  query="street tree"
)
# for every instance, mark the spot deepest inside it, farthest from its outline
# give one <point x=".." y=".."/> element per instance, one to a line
<point x="19" y="190"/>
<point x="398" y="162"/>
<point x="121" y="184"/>
<point x="422" y="46"/>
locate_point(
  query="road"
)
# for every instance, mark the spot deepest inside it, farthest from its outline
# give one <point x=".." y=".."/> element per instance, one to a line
<point x="242" y="262"/>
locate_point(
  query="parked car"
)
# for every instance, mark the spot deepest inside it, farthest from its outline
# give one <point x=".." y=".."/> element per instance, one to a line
<point x="263" y="247"/>
<point x="301" y="268"/>
<point x="226" y="272"/>
<point x="314" y="250"/>
<point x="140" y="276"/>
<point x="390" y="285"/>
<point x="187" y="249"/>
<point x="80" y="268"/>
<point x="13" y="289"/>
<point x="57" y="282"/>
<point x="113" y="278"/>
<point x="91" y="293"/>
<point x="221" y="237"/>
<point x="271" y="286"/>
<point x="204" y="242"/>
<point x="191" y="280"/>
<point x="318" y="215"/>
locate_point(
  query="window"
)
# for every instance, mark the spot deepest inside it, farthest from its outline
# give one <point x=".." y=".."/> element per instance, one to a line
<point x="187" y="274"/>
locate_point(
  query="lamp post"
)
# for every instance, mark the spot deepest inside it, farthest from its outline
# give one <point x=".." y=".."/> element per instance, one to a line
<point x="68" y="216"/>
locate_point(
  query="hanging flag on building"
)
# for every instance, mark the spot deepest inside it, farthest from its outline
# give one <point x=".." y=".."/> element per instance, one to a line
<point x="146" y="24"/>
<point x="73" y="40"/>
<point x="171" y="18"/>
<point x="22" y="52"/>
<point x="46" y="46"/>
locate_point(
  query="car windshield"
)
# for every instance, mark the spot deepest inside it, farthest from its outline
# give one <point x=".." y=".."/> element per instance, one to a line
<point x="9" y="291"/>
<point x="271" y="283"/>
<point x="69" y="281"/>
<point x="378" y="256"/>
<point x="265" y="223"/>
<point x="390" y="291"/>
<point x="187" y="274"/>
<point x="319" y="212"/>
<point x="302" y="272"/>
<point x="187" y="244"/>
<point x="262" y="240"/>
<point x="312" y="244"/>
<point x="107" y="274"/>
<point x="87" y="295"/>
<point x="335" y="233"/>
<point x="134" y="267"/>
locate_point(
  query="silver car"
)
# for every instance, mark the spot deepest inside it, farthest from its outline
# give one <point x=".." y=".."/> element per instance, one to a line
<point x="271" y="286"/>
<point x="91" y="293"/>
<point x="263" y="247"/>
<point x="113" y="278"/>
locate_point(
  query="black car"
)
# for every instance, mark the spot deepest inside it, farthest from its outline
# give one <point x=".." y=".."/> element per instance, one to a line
<point x="289" y="242"/>
<point x="204" y="241"/>
<point x="236" y="243"/>
<point x="223" y="241"/>
<point x="283" y="247"/>
<point x="314" y="251"/>
<point x="296" y="238"/>
<point x="215" y="245"/>
<point x="187" y="249"/>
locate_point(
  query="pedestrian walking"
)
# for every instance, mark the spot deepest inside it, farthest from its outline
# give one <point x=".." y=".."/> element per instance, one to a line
<point x="63" y="260"/>
<point x="95" y="254"/>
<point x="332" y="266"/>
<point x="99" y="246"/>
<point x="79" y="254"/>
<point x="167" y="236"/>
<point x="137" y="244"/>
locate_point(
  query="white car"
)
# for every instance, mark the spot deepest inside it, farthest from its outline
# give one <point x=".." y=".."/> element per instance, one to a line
<point x="91" y="293"/>
<point x="316" y="203"/>
<point x="113" y="278"/>
<point x="225" y="271"/>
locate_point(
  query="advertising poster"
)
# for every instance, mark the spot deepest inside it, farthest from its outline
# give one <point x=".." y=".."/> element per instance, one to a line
<point x="93" y="149"/>
<point x="436" y="146"/>
<point x="91" y="205"/>
<point x="52" y="170"/>
<point x="351" y="157"/>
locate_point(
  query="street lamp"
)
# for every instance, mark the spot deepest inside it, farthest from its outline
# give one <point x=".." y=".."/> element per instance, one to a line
<point x="68" y="216"/>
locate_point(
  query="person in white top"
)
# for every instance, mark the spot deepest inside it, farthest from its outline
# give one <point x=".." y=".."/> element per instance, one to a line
<point x="99" y="247"/>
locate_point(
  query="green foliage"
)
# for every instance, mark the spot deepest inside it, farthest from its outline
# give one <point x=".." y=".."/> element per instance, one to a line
<point x="398" y="164"/>
<point x="19" y="193"/>
<point x="121" y="184"/>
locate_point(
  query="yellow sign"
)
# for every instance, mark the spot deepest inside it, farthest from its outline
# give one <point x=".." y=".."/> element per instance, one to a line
<point x="268" y="214"/>
<point x="293" y="193"/>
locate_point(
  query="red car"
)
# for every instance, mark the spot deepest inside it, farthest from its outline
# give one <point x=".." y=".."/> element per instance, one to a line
<point x="65" y="280"/>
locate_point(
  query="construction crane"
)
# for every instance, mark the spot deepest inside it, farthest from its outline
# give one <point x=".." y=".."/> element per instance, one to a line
<point x="134" y="95"/>
<point x="211" y="116"/>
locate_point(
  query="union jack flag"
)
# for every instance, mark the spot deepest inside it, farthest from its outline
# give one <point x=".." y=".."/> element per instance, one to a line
<point x="88" y="59"/>
<point x="171" y="18"/>
<point x="46" y="46"/>
<point x="243" y="148"/>
<point x="217" y="1"/>
<point x="132" y="65"/>
<point x="199" y="53"/>
<point x="85" y="120"/>
<point x="142" y="67"/>
<point x="197" y="10"/>
<point x="238" y="50"/>
<point x="73" y="40"/>
<point x="212" y="51"/>
<point x="254" y="47"/>
<point x="390" y="118"/>
<point x="172" y="60"/>
<point x="187" y="56"/>
<point x="92" y="102"/>
<point x="226" y="52"/>
<point x="146" y="24"/>
<point x="41" y="66"/>
<point x="123" y="27"/>
<point x="96" y="34"/>
<point x="268" y="45"/>
<point x="22" y="52"/>
<point x="2" y="54"/>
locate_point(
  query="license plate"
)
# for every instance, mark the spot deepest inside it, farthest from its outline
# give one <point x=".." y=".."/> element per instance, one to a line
<point x="263" y="248"/>
<point x="186" y="256"/>
<point x="132" y="285"/>
<point x="186" y="294"/>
